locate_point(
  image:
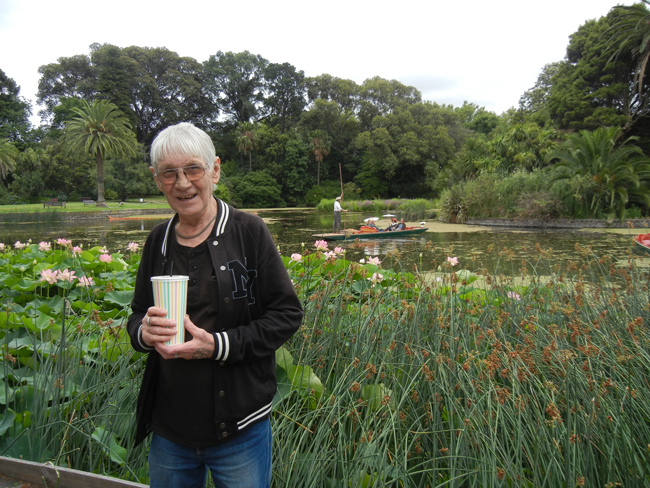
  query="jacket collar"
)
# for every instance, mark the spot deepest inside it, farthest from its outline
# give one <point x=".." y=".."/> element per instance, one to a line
<point x="223" y="210"/>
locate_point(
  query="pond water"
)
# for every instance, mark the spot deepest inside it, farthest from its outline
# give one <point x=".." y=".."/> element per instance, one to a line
<point x="475" y="246"/>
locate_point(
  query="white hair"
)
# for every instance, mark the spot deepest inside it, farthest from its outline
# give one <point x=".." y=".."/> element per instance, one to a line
<point x="181" y="140"/>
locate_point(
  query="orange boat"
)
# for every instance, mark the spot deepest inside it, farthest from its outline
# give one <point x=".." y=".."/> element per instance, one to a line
<point x="642" y="242"/>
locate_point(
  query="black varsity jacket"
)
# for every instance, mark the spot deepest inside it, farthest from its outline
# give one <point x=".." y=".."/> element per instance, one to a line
<point x="258" y="308"/>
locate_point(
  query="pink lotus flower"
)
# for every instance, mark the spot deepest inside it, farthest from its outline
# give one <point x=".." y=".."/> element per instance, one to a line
<point x="296" y="257"/>
<point x="49" y="276"/>
<point x="103" y="250"/>
<point x="133" y="246"/>
<point x="2" y="246"/>
<point x="512" y="294"/>
<point x="452" y="261"/>
<point x="320" y="245"/>
<point x="44" y="246"/>
<point x="374" y="260"/>
<point x="105" y="258"/>
<point x="63" y="242"/>
<point x="339" y="250"/>
<point x="330" y="255"/>
<point x="86" y="281"/>
<point x="76" y="251"/>
<point x="66" y="275"/>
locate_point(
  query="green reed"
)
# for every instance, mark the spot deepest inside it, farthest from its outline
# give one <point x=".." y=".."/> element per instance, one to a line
<point x="536" y="382"/>
<point x="458" y="378"/>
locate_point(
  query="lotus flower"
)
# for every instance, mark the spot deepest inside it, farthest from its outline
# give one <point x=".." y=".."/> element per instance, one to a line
<point x="44" y="246"/>
<point x="105" y="258"/>
<point x="49" y="276"/>
<point x="86" y="281"/>
<point x="320" y="245"/>
<point x="452" y="261"/>
<point x="296" y="257"/>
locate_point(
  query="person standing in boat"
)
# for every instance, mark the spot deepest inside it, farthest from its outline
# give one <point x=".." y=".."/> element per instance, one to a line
<point x="337" y="214"/>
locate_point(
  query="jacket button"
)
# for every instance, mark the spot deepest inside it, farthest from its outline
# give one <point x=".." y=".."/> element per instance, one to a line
<point x="222" y="426"/>
<point x="216" y="243"/>
<point x="224" y="435"/>
<point x="227" y="300"/>
<point x="222" y="393"/>
<point x="223" y="268"/>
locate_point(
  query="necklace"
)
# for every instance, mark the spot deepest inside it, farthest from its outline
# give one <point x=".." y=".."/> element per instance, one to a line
<point x="198" y="233"/>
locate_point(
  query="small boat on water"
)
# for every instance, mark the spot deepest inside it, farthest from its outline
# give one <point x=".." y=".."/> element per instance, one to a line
<point x="642" y="242"/>
<point x="363" y="233"/>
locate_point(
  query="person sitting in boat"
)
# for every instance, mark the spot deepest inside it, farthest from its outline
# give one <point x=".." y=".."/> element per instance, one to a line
<point x="372" y="225"/>
<point x="401" y="225"/>
<point x="393" y="225"/>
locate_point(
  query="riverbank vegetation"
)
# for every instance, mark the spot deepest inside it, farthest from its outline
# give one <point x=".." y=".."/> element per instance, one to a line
<point x="460" y="377"/>
<point x="578" y="139"/>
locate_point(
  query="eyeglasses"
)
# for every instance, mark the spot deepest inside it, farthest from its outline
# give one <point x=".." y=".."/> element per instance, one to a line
<point x="192" y="173"/>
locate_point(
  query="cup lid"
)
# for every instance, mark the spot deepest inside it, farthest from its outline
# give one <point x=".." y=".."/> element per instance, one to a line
<point x="170" y="278"/>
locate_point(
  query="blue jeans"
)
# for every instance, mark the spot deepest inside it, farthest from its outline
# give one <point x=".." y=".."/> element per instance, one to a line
<point x="243" y="462"/>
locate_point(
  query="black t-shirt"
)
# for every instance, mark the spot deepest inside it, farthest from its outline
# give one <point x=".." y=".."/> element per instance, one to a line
<point x="184" y="406"/>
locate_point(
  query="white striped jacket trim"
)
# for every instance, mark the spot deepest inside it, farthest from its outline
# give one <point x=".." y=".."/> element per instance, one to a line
<point x="221" y="346"/>
<point x="262" y="412"/>
<point x="220" y="228"/>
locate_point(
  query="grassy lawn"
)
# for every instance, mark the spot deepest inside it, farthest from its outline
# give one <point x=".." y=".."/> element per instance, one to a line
<point x="148" y="203"/>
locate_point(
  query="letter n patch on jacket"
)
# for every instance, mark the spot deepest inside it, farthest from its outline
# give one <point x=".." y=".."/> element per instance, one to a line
<point x="243" y="281"/>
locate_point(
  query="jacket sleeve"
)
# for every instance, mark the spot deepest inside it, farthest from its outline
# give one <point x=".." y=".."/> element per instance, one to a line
<point x="142" y="298"/>
<point x="281" y="310"/>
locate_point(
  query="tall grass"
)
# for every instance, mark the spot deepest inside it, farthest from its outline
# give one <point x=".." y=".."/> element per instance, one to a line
<point x="456" y="378"/>
<point x="543" y="384"/>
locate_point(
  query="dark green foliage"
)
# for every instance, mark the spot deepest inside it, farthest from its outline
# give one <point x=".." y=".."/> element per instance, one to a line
<point x="257" y="189"/>
<point x="128" y="178"/>
<point x="14" y="112"/>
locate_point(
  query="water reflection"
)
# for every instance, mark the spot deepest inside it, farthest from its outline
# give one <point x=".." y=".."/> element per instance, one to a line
<point x="293" y="229"/>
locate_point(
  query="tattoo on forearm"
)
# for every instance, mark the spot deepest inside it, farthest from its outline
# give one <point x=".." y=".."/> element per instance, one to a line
<point x="201" y="354"/>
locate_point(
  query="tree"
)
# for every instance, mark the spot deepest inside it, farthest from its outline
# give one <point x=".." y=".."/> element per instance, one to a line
<point x="319" y="146"/>
<point x="591" y="89"/>
<point x="286" y="93"/>
<point x="257" y="189"/>
<point x="234" y="82"/>
<point x="8" y="154"/>
<point x="606" y="173"/>
<point x="534" y="102"/>
<point x="630" y="32"/>
<point x="246" y="140"/>
<point x="14" y="111"/>
<point x="380" y="97"/>
<point x="100" y="131"/>
<point x="153" y="87"/>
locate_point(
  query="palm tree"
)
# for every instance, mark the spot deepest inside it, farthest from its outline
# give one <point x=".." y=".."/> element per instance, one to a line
<point x="8" y="154"/>
<point x="101" y="131"/>
<point x="319" y="146"/>
<point x="247" y="140"/>
<point x="630" y="33"/>
<point x="610" y="174"/>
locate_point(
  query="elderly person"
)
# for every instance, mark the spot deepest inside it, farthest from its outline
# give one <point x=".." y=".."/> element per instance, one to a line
<point x="207" y="400"/>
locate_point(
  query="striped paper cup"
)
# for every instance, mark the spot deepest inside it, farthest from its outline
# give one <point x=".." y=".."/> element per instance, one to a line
<point x="170" y="293"/>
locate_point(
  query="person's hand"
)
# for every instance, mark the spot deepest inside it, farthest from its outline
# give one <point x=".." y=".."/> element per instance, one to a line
<point x="200" y="347"/>
<point x="156" y="328"/>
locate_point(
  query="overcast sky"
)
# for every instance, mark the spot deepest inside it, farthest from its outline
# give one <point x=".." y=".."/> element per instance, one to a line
<point x="485" y="52"/>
